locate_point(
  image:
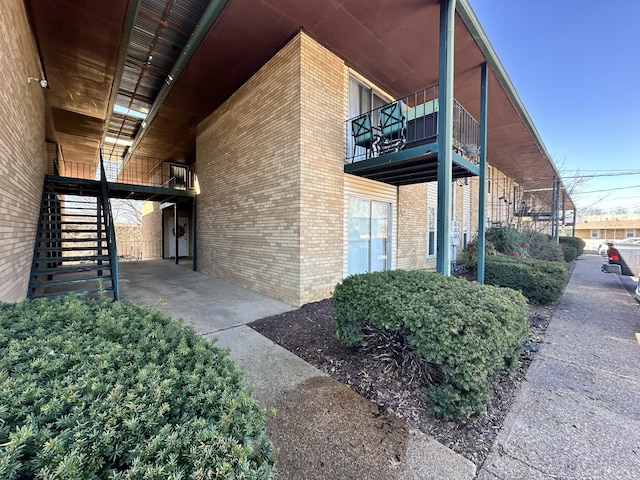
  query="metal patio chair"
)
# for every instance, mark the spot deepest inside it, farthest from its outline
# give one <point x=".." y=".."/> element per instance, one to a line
<point x="393" y="126"/>
<point x="365" y="135"/>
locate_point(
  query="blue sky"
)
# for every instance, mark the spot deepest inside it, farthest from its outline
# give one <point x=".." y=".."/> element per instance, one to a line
<point x="576" y="66"/>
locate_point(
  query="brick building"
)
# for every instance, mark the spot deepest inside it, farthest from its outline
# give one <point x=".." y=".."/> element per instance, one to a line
<point x="596" y="229"/>
<point x="243" y="143"/>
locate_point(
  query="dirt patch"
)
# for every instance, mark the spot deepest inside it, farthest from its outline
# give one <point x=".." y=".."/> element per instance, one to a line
<point x="308" y="332"/>
<point x="350" y="435"/>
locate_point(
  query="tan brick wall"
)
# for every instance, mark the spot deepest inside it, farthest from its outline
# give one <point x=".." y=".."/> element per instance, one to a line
<point x="248" y="167"/>
<point x="412" y="227"/>
<point x="22" y="150"/>
<point x="151" y="231"/>
<point x="271" y="176"/>
<point x="324" y="91"/>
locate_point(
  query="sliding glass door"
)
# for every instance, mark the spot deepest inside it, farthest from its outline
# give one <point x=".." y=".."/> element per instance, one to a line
<point x="369" y="242"/>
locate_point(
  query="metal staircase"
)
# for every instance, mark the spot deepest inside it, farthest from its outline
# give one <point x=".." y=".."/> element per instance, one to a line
<point x="75" y="249"/>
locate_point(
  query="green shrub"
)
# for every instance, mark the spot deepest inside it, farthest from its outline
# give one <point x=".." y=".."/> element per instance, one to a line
<point x="570" y="253"/>
<point x="469" y="255"/>
<point x="507" y="240"/>
<point x="542" y="248"/>
<point x="469" y="330"/>
<point x="540" y="281"/>
<point x="100" y="389"/>
<point x="574" y="242"/>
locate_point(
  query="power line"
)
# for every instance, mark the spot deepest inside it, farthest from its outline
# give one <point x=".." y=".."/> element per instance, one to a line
<point x="606" y="190"/>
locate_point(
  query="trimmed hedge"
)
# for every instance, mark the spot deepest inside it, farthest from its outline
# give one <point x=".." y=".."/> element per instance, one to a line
<point x="574" y="242"/>
<point x="570" y="253"/>
<point x="469" y="330"/>
<point x="540" y="281"/>
<point x="542" y="248"/>
<point x="100" y="389"/>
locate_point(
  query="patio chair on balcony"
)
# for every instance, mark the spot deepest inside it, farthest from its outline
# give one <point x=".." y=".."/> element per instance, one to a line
<point x="393" y="125"/>
<point x="365" y="135"/>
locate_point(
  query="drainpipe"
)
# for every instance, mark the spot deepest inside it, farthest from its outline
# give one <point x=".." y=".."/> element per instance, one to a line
<point x="175" y="228"/>
<point x="484" y="94"/>
<point x="445" y="135"/>
<point x="194" y="222"/>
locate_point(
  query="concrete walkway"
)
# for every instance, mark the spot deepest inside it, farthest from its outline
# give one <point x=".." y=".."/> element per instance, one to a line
<point x="322" y="429"/>
<point x="576" y="417"/>
<point x="578" y="414"/>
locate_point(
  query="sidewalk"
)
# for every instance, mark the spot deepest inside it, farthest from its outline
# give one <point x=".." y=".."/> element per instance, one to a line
<point x="578" y="414"/>
<point x="322" y="429"/>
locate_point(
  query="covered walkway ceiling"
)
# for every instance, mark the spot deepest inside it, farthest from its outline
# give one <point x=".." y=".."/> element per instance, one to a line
<point x="99" y="54"/>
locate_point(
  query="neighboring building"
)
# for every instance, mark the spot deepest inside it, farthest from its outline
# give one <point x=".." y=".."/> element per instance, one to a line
<point x="596" y="229"/>
<point x="242" y="140"/>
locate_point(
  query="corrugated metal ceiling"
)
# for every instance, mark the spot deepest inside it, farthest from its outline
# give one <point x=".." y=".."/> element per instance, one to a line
<point x="162" y="29"/>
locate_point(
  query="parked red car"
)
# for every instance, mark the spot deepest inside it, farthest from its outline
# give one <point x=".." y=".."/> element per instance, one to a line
<point x="623" y="258"/>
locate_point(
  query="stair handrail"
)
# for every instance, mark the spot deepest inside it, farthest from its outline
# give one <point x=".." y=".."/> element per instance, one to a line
<point x="110" y="228"/>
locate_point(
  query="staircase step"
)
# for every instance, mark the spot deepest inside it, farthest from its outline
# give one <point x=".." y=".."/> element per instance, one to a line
<point x="86" y="267"/>
<point x="81" y="215"/>
<point x="66" y="222"/>
<point x="70" y="230"/>
<point x="92" y="292"/>
<point x="73" y="239"/>
<point x="73" y="281"/>
<point x="73" y="258"/>
<point x="91" y="248"/>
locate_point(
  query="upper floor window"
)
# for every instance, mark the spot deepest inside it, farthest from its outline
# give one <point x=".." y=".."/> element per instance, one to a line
<point x="594" y="233"/>
<point x="629" y="232"/>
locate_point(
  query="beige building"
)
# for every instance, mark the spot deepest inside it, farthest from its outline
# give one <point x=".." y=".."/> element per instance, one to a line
<point x="596" y="229"/>
<point x="244" y="146"/>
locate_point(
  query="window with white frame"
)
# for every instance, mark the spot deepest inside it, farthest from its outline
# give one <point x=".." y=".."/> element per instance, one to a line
<point x="594" y="233"/>
<point x="629" y="232"/>
<point x="369" y="239"/>
<point x="431" y="231"/>
<point x="362" y="99"/>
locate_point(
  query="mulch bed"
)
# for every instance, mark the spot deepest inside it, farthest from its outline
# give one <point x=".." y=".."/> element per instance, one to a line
<point x="308" y="333"/>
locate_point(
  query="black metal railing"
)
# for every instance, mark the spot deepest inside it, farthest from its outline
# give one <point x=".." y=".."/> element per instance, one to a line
<point x="110" y="231"/>
<point x="409" y="122"/>
<point x="139" y="170"/>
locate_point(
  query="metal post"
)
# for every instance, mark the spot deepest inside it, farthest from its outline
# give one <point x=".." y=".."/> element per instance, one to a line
<point x="484" y="84"/>
<point x="175" y="228"/>
<point x="195" y="234"/>
<point x="564" y="210"/>
<point x="445" y="135"/>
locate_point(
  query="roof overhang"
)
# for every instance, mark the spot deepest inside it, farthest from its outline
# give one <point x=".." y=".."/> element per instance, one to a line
<point x="394" y="43"/>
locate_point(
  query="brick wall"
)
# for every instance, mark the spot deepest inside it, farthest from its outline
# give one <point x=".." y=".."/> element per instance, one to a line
<point x="22" y="150"/>
<point x="271" y="176"/>
<point x="151" y="231"/>
<point x="248" y="167"/>
<point x="324" y="91"/>
<point x="412" y="227"/>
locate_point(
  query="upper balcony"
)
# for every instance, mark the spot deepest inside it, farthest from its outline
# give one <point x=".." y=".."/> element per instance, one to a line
<point x="141" y="178"/>
<point x="397" y="143"/>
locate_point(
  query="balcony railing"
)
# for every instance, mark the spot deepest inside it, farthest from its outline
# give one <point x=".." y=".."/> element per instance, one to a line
<point x="409" y="122"/>
<point x="139" y="170"/>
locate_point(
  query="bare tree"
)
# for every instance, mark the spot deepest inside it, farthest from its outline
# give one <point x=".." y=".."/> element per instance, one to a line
<point x="127" y="211"/>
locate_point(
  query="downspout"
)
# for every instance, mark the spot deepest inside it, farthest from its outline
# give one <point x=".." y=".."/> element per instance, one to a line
<point x="194" y="222"/>
<point x="484" y="94"/>
<point x="175" y="228"/>
<point x="445" y="134"/>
